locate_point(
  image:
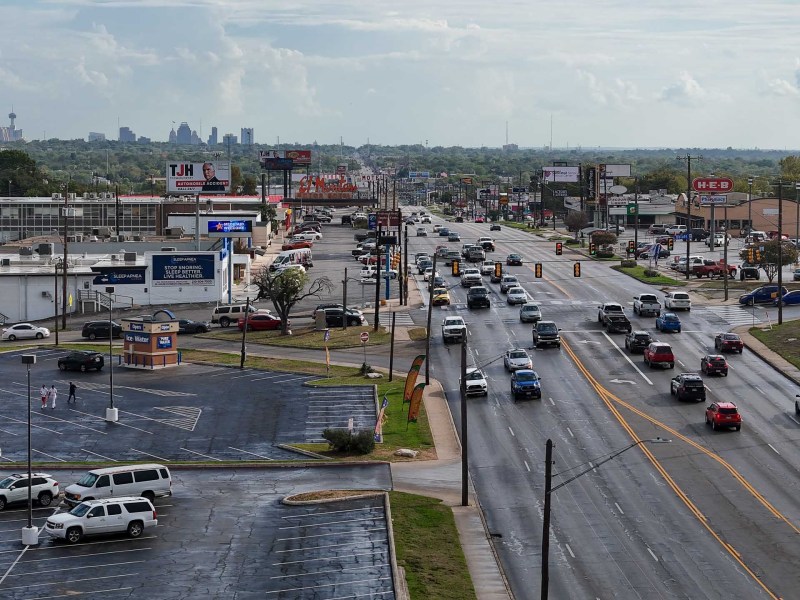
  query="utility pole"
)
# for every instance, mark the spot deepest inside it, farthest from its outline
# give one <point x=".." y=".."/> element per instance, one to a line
<point x="377" y="277"/>
<point x="548" y="479"/>
<point x="428" y="327"/>
<point x="344" y="300"/>
<point x="464" y="429"/>
<point x="780" y="185"/>
<point x="66" y="254"/>
<point x="688" y="158"/>
<point x="749" y="204"/>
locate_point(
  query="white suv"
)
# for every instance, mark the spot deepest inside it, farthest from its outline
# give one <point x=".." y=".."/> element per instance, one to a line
<point x="130" y="514"/>
<point x="14" y="488"/>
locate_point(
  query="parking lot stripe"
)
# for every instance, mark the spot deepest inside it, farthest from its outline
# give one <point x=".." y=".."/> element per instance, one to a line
<point x="117" y="424"/>
<point x="320" y="535"/>
<point x="253" y="453"/>
<point x="339" y="583"/>
<point x="32" y="585"/>
<point x="48" y="455"/>
<point x="72" y="594"/>
<point x="203" y="455"/>
<point x="369" y="543"/>
<point x="21" y="422"/>
<point x="310" y="560"/>
<point x="55" y="418"/>
<point x="100" y="455"/>
<point x="148" y="454"/>
<point x="77" y="568"/>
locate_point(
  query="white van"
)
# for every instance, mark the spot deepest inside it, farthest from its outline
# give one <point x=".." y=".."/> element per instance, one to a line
<point x="148" y="481"/>
<point x="225" y="314"/>
<point x="301" y="256"/>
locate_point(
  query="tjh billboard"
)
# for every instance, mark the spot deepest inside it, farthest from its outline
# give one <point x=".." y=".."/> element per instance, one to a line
<point x="203" y="177"/>
<point x="561" y="174"/>
<point x="183" y="269"/>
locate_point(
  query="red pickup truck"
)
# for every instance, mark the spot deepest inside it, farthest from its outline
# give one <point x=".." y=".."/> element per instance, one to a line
<point x="710" y="269"/>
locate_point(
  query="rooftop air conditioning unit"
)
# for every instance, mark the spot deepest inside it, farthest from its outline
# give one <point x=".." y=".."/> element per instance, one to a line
<point x="56" y="196"/>
<point x="114" y="257"/>
<point x="72" y="196"/>
<point x="26" y="251"/>
<point x="6" y="262"/>
<point x="46" y="249"/>
<point x="130" y="256"/>
<point x="138" y="238"/>
<point x="85" y="195"/>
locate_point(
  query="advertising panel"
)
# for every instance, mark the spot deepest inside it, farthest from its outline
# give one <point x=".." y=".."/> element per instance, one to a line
<point x="419" y="174"/>
<point x="615" y="170"/>
<point x="591" y="183"/>
<point x="201" y="177"/>
<point x="118" y="276"/>
<point x="561" y="174"/>
<point x="137" y="338"/>
<point x="164" y="341"/>
<point x="183" y="269"/>
<point x="299" y="157"/>
<point x="232" y="229"/>
<point x="272" y="163"/>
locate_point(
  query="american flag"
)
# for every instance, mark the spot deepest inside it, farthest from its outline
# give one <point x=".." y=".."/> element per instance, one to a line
<point x="327" y="335"/>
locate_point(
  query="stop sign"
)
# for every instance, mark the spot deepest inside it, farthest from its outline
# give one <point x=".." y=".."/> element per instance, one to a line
<point x="364" y="337"/>
<point x="712" y="184"/>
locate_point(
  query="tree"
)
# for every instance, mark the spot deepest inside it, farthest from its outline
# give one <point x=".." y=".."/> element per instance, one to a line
<point x="285" y="289"/>
<point x="768" y="257"/>
<point x="576" y="220"/>
<point x="790" y="168"/>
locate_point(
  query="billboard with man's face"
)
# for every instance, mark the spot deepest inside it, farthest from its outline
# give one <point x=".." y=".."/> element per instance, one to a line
<point x="211" y="177"/>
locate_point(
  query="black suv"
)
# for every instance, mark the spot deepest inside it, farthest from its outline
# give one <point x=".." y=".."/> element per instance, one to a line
<point x="478" y="297"/>
<point x="82" y="360"/>
<point x="546" y="333"/>
<point x="688" y="386"/>
<point x="99" y="329"/>
<point x="334" y="317"/>
<point x="637" y="341"/>
<point x="698" y="235"/>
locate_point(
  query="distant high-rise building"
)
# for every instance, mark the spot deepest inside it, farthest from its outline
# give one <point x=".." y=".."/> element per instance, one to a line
<point x="196" y="141"/>
<point x="10" y="133"/>
<point x="97" y="137"/>
<point x="173" y="137"/>
<point x="184" y="134"/>
<point x="229" y="140"/>
<point x="126" y="135"/>
<point x="143" y="140"/>
<point x="247" y="136"/>
<point x="212" y="139"/>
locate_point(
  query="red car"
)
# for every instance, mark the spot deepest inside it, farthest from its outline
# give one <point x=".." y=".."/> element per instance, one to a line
<point x="261" y="322"/>
<point x="728" y="342"/>
<point x="296" y="245"/>
<point x="723" y="414"/>
<point x="659" y="353"/>
<point x="479" y="219"/>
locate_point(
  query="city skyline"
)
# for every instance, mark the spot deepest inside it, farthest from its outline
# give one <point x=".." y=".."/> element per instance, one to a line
<point x="574" y="74"/>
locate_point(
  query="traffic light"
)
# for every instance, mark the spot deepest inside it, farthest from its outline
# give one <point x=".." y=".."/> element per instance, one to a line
<point x="537" y="270"/>
<point x="750" y="255"/>
<point x="559" y="248"/>
<point x="758" y="255"/>
<point x="592" y="249"/>
<point x="576" y="269"/>
<point x="631" y="249"/>
<point x="395" y="260"/>
<point x="498" y="269"/>
<point x="670" y="243"/>
<point x="455" y="270"/>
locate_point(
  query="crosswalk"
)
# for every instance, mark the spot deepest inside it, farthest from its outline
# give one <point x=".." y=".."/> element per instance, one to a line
<point x="403" y="318"/>
<point x="733" y="314"/>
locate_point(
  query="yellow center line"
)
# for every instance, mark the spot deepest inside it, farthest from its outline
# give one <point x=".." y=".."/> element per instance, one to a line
<point x="610" y="400"/>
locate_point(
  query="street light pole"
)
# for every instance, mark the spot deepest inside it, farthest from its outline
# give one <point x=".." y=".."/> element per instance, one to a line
<point x="112" y="413"/>
<point x="688" y="158"/>
<point x="749" y="204"/>
<point x="30" y="534"/>
<point x="548" y="490"/>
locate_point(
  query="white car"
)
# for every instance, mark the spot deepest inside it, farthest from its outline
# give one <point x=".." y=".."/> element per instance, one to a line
<point x="516" y="295"/>
<point x="475" y="383"/>
<point x="25" y="331"/>
<point x="129" y="514"/>
<point x="677" y="301"/>
<point x="307" y="236"/>
<point x="436" y="227"/>
<point x="517" y="358"/>
<point x="14" y="489"/>
<point x="430" y="274"/>
<point x="487" y="268"/>
<point x="613" y="228"/>
<point x="427" y="219"/>
<point x="421" y="231"/>
<point x="530" y="313"/>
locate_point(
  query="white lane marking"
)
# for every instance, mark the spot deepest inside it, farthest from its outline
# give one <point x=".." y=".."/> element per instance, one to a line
<point x="619" y="508"/>
<point x="569" y="431"/>
<point x="512" y="431"/>
<point x="148" y="454"/>
<point x="793" y="419"/>
<point x="571" y="553"/>
<point x="203" y="455"/>
<point x="49" y="455"/>
<point x="253" y="453"/>
<point x="630" y="362"/>
<point x="760" y="391"/>
<point x="680" y="362"/>
<point x="527" y="466"/>
<point x="100" y="455"/>
<point x="552" y="402"/>
<point x="773" y="449"/>
<point x="655" y="558"/>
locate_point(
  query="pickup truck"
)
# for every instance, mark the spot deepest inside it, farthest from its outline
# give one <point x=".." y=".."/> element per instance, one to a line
<point x="710" y="268"/>
<point x="454" y="329"/>
<point x="612" y="316"/>
<point x="470" y="277"/>
<point x="646" y="304"/>
<point x="486" y="243"/>
<point x="363" y="235"/>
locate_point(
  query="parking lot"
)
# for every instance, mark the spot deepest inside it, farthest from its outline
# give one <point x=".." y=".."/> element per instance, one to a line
<point x="223" y="534"/>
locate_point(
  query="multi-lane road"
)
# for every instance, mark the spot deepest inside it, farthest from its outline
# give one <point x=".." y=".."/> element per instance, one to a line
<point x="713" y="514"/>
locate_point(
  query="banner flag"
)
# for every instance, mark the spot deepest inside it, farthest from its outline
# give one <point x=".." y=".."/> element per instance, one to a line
<point x="381" y="418"/>
<point x="411" y="378"/>
<point x="416" y="402"/>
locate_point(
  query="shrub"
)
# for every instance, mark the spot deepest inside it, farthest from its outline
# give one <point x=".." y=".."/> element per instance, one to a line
<point x="571" y="242"/>
<point x="651" y="273"/>
<point x="342" y="440"/>
<point x="628" y="264"/>
<point x="605" y="254"/>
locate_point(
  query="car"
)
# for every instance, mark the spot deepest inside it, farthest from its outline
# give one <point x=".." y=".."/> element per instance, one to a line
<point x="465" y="248"/>
<point x="422" y="232"/>
<point x="487" y="268"/>
<point x="14" y="489"/>
<point x="426" y="219"/>
<point x="459" y="219"/>
<point x="796" y="275"/>
<point x="475" y="383"/>
<point x="296" y="244"/>
<point x="530" y="313"/>
<point x="723" y="414"/>
<point x="494" y="227"/>
<point x="478" y="297"/>
<point x="437" y="281"/>
<point x="476" y="254"/>
<point x="429" y="274"/>
<point x="714" y="363"/>
<point x="454" y="329"/>
<point x="637" y="341"/>
<point x="470" y="276"/>
<point x="260" y="322"/>
<point x="677" y="301"/>
<point x="507" y="282"/>
<point x="688" y="386"/>
<point x="764" y="294"/>
<point x="480" y="219"/>
<point x="486" y="243"/>
<point x="25" y="331"/>
<point x="514" y="260"/>
<point x="334" y="317"/>
<point x="100" y="329"/>
<point x="659" y="353"/>
<point x="728" y="342"/>
<point x="517" y="358"/>
<point x="453" y="236"/>
<point x="525" y="383"/>
<point x="545" y="333"/>
<point x="81" y="360"/>
<point x="441" y="297"/>
<point x="189" y="326"/>
<point x="749" y="272"/>
<point x="677" y="230"/>
<point x="657" y="230"/>
<point x="424" y="265"/>
<point x="789" y="298"/>
<point x="444" y="232"/>
<point x="648" y="251"/>
<point x="129" y="514"/>
<point x="615" y="228"/>
<point x="668" y="321"/>
<point x="437" y="227"/>
<point x="516" y="295"/>
<point x="323" y="307"/>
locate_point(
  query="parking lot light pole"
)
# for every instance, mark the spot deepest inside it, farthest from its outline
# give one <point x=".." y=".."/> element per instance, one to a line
<point x="112" y="413"/>
<point x="749" y="204"/>
<point x="548" y="490"/>
<point x="30" y="534"/>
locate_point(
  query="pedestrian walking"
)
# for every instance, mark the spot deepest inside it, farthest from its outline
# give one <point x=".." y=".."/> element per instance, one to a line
<point x="44" y="395"/>
<point x="53" y="394"/>
<point x="72" y="390"/>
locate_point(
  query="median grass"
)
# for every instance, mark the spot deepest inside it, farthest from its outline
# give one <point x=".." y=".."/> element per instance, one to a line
<point x="637" y="272"/>
<point x="308" y="337"/>
<point x="781" y="339"/>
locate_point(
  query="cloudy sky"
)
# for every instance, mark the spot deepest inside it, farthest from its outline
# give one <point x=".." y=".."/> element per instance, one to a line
<point x="620" y="73"/>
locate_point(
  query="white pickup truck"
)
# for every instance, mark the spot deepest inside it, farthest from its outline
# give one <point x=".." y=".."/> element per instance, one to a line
<point x="454" y="329"/>
<point x="646" y="304"/>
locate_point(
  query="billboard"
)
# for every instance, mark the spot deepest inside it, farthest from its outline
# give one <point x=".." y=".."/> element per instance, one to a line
<point x="183" y="269"/>
<point x="230" y="229"/>
<point x="299" y="157"/>
<point x="276" y="163"/>
<point x="561" y="174"/>
<point x="615" y="171"/>
<point x="213" y="177"/>
<point x="119" y="276"/>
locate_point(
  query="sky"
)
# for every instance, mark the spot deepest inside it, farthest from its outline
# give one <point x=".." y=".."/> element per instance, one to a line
<point x="566" y="73"/>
